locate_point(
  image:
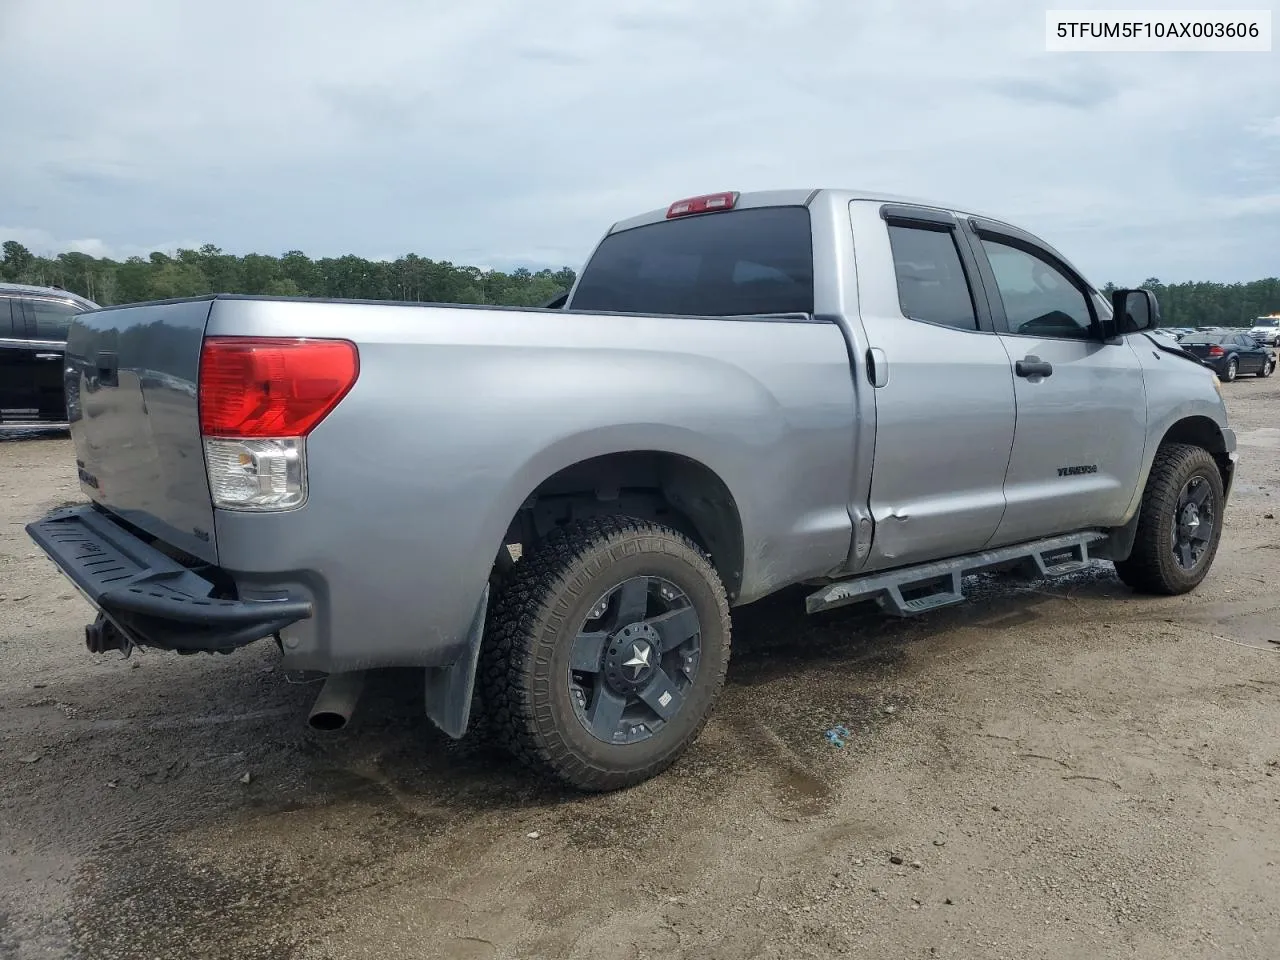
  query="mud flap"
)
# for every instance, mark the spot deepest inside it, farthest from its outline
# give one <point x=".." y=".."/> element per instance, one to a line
<point x="449" y="689"/>
<point x="1119" y="542"/>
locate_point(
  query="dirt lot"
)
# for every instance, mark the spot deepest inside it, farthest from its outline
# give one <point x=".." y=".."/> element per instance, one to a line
<point x="1050" y="770"/>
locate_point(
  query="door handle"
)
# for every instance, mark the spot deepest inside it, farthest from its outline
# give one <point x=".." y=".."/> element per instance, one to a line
<point x="1033" y="367"/>
<point x="48" y="356"/>
<point x="877" y="367"/>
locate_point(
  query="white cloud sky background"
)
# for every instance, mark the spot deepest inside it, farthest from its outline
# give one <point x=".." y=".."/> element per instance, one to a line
<point x="503" y="132"/>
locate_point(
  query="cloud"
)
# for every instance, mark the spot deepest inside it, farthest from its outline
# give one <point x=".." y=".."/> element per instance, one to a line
<point x="504" y="132"/>
<point x="46" y="244"/>
<point x="1081" y="90"/>
<point x="1269" y="128"/>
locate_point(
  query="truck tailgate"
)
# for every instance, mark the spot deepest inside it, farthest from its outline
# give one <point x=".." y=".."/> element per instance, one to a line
<point x="131" y="386"/>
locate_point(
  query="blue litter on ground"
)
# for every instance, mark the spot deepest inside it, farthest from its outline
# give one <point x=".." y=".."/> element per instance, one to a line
<point x="837" y="735"/>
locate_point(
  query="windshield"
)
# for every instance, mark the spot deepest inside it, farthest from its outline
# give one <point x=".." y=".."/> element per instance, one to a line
<point x="1265" y="322"/>
<point x="741" y="262"/>
<point x="1202" y="339"/>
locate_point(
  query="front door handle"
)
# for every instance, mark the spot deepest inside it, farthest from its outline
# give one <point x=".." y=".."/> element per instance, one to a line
<point x="48" y="356"/>
<point x="1033" y="367"/>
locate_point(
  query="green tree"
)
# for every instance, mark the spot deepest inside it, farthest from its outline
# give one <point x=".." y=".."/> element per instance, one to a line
<point x="209" y="269"/>
<point x="17" y="259"/>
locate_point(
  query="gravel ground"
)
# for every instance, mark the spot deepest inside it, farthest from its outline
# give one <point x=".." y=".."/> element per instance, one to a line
<point x="1056" y="769"/>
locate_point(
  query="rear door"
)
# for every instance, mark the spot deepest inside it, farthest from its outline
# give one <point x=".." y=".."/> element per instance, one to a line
<point x="1081" y="402"/>
<point x="943" y="386"/>
<point x="1252" y="356"/>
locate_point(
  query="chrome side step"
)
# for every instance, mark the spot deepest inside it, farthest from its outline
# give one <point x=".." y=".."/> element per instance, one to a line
<point x="914" y="590"/>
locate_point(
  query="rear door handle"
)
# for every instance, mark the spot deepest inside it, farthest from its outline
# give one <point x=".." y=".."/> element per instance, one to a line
<point x="1033" y="367"/>
<point x="48" y="356"/>
<point x="877" y="367"/>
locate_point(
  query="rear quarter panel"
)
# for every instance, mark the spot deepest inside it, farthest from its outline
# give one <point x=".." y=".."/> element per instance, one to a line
<point x="459" y="414"/>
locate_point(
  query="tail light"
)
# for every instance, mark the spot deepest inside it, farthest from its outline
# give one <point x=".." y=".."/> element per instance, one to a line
<point x="259" y="398"/>
<point x="1216" y="351"/>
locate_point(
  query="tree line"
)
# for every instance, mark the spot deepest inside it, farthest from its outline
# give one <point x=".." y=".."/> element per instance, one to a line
<point x="187" y="273"/>
<point x="1204" y="304"/>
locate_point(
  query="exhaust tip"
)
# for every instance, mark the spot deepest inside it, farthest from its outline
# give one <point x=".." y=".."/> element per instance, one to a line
<point x="327" y="721"/>
<point x="336" y="702"/>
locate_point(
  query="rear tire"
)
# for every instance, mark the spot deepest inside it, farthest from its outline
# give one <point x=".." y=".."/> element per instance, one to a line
<point x="1172" y="552"/>
<point x="1232" y="369"/>
<point x="582" y="638"/>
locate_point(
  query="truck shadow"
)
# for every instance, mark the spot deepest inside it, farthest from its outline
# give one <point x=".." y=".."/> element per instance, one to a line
<point x="201" y="723"/>
<point x="220" y="792"/>
<point x="841" y="660"/>
<point x="774" y="637"/>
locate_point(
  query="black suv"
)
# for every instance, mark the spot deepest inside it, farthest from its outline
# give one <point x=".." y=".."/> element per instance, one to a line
<point x="33" y="337"/>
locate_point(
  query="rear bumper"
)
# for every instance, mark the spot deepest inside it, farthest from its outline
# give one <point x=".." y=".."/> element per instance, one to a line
<point x="150" y="598"/>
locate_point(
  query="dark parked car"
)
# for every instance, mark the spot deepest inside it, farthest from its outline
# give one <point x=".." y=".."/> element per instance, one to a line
<point x="33" y="338"/>
<point x="1230" y="354"/>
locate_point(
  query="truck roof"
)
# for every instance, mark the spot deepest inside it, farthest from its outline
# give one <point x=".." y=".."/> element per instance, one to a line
<point x="804" y="197"/>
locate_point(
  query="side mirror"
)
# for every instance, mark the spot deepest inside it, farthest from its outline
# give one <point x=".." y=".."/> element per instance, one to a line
<point x="1134" y="310"/>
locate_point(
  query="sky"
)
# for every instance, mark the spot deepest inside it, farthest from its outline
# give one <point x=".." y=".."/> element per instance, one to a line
<point x="502" y="132"/>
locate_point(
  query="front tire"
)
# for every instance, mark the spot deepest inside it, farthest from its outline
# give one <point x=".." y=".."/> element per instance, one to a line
<point x="1180" y="523"/>
<point x="1267" y="369"/>
<point x="605" y="651"/>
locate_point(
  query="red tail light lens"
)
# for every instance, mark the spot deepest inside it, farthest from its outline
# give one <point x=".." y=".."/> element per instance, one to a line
<point x="267" y="387"/>
<point x="1216" y="351"/>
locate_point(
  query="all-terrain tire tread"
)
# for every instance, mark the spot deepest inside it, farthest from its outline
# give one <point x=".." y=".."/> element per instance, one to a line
<point x="1147" y="569"/>
<point x="531" y="603"/>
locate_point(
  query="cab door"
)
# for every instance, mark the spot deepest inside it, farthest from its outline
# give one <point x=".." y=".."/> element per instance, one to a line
<point x="943" y="387"/>
<point x="1081" y="432"/>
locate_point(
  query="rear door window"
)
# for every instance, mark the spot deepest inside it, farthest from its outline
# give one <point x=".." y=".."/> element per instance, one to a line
<point x="932" y="285"/>
<point x="6" y="319"/>
<point x="740" y="262"/>
<point x="50" y="319"/>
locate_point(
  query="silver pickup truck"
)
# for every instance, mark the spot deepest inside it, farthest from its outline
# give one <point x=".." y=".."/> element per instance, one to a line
<point x="555" y="509"/>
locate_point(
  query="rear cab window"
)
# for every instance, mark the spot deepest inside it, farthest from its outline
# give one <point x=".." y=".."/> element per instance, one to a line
<point x="732" y="263"/>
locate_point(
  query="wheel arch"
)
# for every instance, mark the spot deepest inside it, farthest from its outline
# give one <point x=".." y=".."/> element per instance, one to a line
<point x="1196" y="430"/>
<point x="654" y="484"/>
